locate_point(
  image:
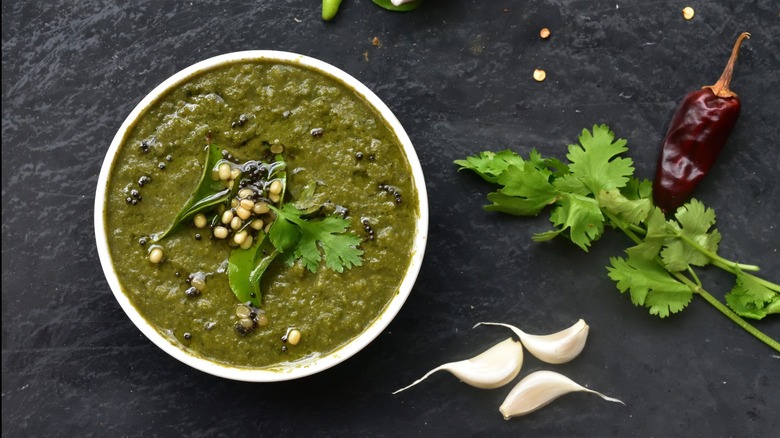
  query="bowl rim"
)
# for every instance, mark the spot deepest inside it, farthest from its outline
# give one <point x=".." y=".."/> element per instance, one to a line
<point x="290" y="370"/>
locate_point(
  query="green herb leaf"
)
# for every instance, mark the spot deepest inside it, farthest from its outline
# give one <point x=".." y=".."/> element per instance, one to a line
<point x="694" y="221"/>
<point x="649" y="285"/>
<point x="751" y="299"/>
<point x="655" y="236"/>
<point x="387" y="4"/>
<point x="579" y="214"/>
<point x="594" y="162"/>
<point x="326" y="239"/>
<point x="526" y="190"/>
<point x="208" y="192"/>
<point x="491" y="165"/>
<point x="246" y="267"/>
<point x="597" y="187"/>
<point x="629" y="211"/>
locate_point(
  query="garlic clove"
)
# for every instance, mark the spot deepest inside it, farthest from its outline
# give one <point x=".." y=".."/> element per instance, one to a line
<point x="493" y="368"/>
<point x="538" y="389"/>
<point x="556" y="348"/>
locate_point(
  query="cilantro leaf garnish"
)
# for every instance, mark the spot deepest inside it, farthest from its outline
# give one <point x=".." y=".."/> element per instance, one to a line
<point x="649" y="285"/>
<point x="596" y="188"/>
<point x="314" y="241"/>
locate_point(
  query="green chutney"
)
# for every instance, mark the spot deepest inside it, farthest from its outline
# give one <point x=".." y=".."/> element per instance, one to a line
<point x="332" y="139"/>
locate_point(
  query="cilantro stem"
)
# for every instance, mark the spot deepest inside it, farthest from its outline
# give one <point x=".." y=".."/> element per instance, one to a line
<point x="736" y="318"/>
<point x="629" y="231"/>
<point x="696" y="288"/>
<point x="694" y="276"/>
<point x="717" y="260"/>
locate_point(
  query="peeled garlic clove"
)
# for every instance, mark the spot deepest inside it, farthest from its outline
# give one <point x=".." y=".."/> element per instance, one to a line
<point x="493" y="368"/>
<point x="538" y="389"/>
<point x="556" y="348"/>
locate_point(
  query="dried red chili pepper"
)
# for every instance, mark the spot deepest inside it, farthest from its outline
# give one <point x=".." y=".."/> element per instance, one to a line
<point x="696" y="135"/>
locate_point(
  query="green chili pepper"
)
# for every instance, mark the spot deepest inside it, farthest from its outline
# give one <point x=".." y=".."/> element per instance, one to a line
<point x="329" y="9"/>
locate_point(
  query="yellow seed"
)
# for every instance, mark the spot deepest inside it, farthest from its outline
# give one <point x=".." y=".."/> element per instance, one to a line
<point x="294" y="337"/>
<point x="247" y="204"/>
<point x="247" y="243"/>
<point x="230" y="184"/>
<point x="233" y="203"/>
<point x="235" y="173"/>
<point x="688" y="12"/>
<point x="200" y="220"/>
<point x="274" y="197"/>
<point x="245" y="193"/>
<point x="257" y="224"/>
<point x="224" y="171"/>
<point x="220" y="232"/>
<point x="240" y="237"/>
<point x="227" y="216"/>
<point x="539" y="75"/>
<point x="243" y="311"/>
<point x="236" y="223"/>
<point x="261" y="208"/>
<point x="243" y="213"/>
<point x="544" y="33"/>
<point x="276" y="187"/>
<point x="156" y="255"/>
<point x="268" y="227"/>
<point x="262" y="320"/>
<point x="198" y="281"/>
<point x="277" y="148"/>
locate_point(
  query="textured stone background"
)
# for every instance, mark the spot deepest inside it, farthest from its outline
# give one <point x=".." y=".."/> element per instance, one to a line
<point x="458" y="76"/>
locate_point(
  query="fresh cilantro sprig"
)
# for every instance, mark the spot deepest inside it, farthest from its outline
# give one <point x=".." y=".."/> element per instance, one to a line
<point x="597" y="189"/>
<point x="314" y="241"/>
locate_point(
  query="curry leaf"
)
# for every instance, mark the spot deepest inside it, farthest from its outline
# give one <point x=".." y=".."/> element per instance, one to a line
<point x="207" y="194"/>
<point x="247" y="266"/>
<point x="240" y="265"/>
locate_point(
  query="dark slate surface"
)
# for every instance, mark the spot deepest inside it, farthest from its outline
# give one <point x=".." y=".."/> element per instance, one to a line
<point x="458" y="75"/>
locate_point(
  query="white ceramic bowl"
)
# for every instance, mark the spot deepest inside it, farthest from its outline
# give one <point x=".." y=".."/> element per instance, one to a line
<point x="285" y="371"/>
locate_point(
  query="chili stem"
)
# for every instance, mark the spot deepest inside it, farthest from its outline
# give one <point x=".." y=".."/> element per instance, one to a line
<point x="721" y="88"/>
